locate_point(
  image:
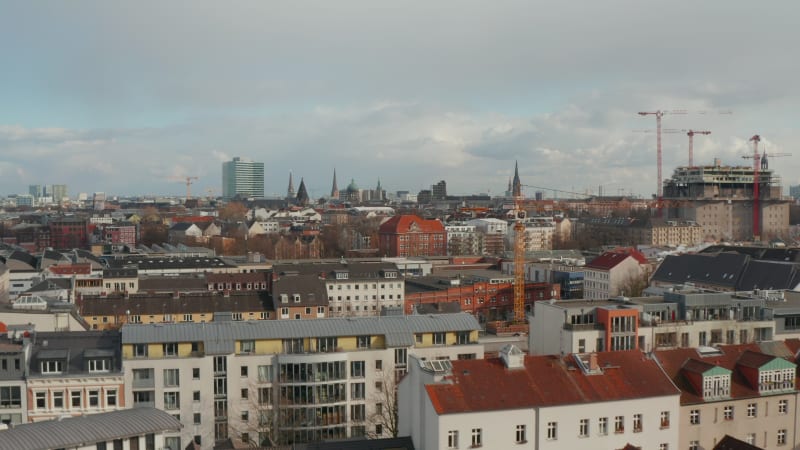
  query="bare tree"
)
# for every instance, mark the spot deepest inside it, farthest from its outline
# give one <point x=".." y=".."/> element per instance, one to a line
<point x="635" y="283"/>
<point x="384" y="418"/>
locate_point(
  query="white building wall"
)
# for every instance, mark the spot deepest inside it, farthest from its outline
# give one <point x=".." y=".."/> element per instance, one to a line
<point x="497" y="429"/>
<point x="364" y="297"/>
<point x="567" y="419"/>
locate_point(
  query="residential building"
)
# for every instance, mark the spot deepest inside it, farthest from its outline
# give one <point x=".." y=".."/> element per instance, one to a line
<point x="733" y="390"/>
<point x="343" y="288"/>
<point x="74" y="373"/>
<point x="598" y="400"/>
<point x="462" y="240"/>
<point x="242" y="178"/>
<point x="68" y="232"/>
<point x="614" y="272"/>
<point x="411" y="235"/>
<point x="678" y="319"/>
<point x="13" y="361"/>
<point x="290" y="381"/>
<point x="140" y="428"/>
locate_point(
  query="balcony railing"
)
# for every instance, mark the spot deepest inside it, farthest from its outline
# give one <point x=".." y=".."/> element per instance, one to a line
<point x="583" y="326"/>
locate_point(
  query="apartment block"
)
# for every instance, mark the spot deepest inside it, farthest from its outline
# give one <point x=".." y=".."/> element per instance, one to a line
<point x="289" y="381"/>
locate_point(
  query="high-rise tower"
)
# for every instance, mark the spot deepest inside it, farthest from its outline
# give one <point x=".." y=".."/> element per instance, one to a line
<point x="242" y="178"/>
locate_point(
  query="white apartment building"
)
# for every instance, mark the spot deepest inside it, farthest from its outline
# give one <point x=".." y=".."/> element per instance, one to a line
<point x="285" y="381"/>
<point x="606" y="275"/>
<point x="462" y="240"/>
<point x="676" y="320"/>
<point x="602" y="401"/>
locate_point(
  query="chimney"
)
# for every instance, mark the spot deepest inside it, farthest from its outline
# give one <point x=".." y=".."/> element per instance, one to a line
<point x="593" y="365"/>
<point x="176" y="295"/>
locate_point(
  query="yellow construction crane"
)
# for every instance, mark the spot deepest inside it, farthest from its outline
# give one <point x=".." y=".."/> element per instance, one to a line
<point x="188" y="181"/>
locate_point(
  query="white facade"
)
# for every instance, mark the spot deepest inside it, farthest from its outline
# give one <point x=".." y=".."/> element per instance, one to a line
<point x="364" y="297"/>
<point x="489" y="226"/>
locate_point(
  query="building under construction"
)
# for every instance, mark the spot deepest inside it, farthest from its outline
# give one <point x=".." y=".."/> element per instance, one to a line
<point x="720" y="199"/>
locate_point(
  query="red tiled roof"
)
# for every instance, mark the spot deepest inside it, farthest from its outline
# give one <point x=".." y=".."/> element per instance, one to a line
<point x="794" y="346"/>
<point x="404" y="222"/>
<point x="487" y="385"/>
<point x="71" y="269"/>
<point x="609" y="260"/>
<point x="673" y="360"/>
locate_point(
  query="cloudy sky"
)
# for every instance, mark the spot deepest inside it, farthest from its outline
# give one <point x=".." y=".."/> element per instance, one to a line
<point x="123" y="99"/>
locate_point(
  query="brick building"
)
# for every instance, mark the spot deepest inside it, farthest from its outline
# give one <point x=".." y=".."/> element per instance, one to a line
<point x="68" y="232"/>
<point x="411" y="235"/>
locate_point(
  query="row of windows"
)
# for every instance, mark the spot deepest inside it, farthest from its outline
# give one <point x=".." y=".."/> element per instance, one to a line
<point x="365" y="286"/>
<point x="751" y="411"/>
<point x="358" y="297"/>
<point x="59" y="399"/>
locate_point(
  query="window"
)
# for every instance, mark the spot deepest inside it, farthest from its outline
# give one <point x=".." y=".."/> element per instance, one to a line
<point x="552" y="431"/>
<point x="602" y="426"/>
<point x="247" y="346"/>
<point x="619" y="424"/>
<point x="379" y="429"/>
<point x="52" y="366"/>
<point x="140" y="350"/>
<point x="170" y="349"/>
<point x="265" y="374"/>
<point x="196" y="396"/>
<point x="197" y="418"/>
<point x="58" y="399"/>
<point x="76" y="398"/>
<point x="637" y="423"/>
<point x="364" y="341"/>
<point x="170" y="443"/>
<point x="782" y="437"/>
<point x="583" y="430"/>
<point x="751" y="410"/>
<point x="783" y="406"/>
<point x="94" y="398"/>
<point x="187" y="317"/>
<point x="663" y="446"/>
<point x="477" y="437"/>
<point x="243" y="371"/>
<point x="379" y="386"/>
<point x="358" y="412"/>
<point x="244" y="393"/>
<point x="327" y="344"/>
<point x="727" y="412"/>
<point x="378" y="364"/>
<point x="99" y="365"/>
<point x="521" y="438"/>
<point x="264" y="396"/>
<point x="438" y="338"/>
<point x="694" y="417"/>
<point x="245" y="416"/>
<point x="418" y="338"/>
<point x="171" y="400"/>
<point x="196" y="373"/>
<point x="357" y="391"/>
<point x="357" y="369"/>
<point x="41" y="400"/>
<point x="111" y="397"/>
<point x="171" y="378"/>
<point x="452" y="439"/>
<point x="751" y="438"/>
<point x="664" y="419"/>
<point x="10" y="397"/>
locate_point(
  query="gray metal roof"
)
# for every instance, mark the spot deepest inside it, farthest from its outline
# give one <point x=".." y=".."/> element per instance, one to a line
<point x="219" y="337"/>
<point x="77" y="431"/>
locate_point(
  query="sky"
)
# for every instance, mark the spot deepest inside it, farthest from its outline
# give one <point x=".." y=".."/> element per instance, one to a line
<point x="128" y="97"/>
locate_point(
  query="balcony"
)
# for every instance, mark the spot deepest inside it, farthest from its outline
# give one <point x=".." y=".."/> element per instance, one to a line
<point x="583" y="326"/>
<point x="143" y="383"/>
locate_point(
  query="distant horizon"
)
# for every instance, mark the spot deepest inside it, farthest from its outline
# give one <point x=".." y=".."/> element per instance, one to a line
<point x="92" y="102"/>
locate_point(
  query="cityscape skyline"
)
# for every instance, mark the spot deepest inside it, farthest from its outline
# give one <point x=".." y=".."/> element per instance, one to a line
<point x="93" y="104"/>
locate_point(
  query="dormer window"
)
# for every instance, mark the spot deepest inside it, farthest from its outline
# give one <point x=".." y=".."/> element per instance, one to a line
<point x="716" y="386"/>
<point x="776" y="380"/>
<point x="284" y="298"/>
<point x="99" y="365"/>
<point x="52" y="366"/>
<point x="341" y="275"/>
<point x="296" y="298"/>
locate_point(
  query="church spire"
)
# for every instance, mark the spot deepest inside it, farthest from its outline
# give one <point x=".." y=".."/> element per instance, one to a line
<point x="517" y="185"/>
<point x="302" y="194"/>
<point x="290" y="191"/>
<point x="334" y="188"/>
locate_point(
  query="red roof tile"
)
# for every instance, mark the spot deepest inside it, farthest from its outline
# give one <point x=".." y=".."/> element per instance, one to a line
<point x="405" y="222"/>
<point x="609" y="260"/>
<point x="487" y="385"/>
<point x="673" y="360"/>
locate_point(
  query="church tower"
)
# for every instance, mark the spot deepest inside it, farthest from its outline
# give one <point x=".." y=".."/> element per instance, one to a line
<point x="302" y="194"/>
<point x="334" y="188"/>
<point x="516" y="184"/>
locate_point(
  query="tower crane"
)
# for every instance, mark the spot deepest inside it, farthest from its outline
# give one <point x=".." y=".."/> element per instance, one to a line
<point x="519" y="261"/>
<point x="691" y="134"/>
<point x="188" y="181"/>
<point x="759" y="162"/>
